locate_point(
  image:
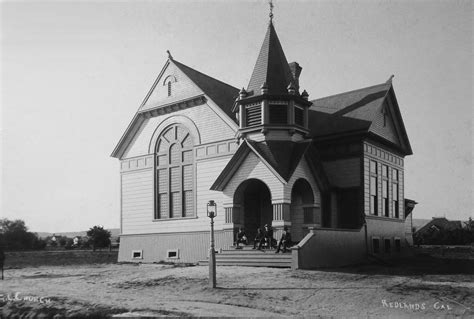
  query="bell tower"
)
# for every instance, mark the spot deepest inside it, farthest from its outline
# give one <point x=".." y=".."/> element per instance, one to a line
<point x="272" y="107"/>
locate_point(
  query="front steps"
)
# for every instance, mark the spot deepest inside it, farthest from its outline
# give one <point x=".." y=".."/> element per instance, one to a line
<point x="252" y="258"/>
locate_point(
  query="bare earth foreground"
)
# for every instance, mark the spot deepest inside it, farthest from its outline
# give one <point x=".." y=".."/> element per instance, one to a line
<point x="427" y="287"/>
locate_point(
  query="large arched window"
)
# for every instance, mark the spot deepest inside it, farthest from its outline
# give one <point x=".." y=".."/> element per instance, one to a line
<point x="174" y="174"/>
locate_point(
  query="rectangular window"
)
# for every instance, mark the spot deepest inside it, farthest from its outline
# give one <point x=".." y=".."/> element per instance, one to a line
<point x="278" y="114"/>
<point x="385" y="208"/>
<point x="373" y="188"/>
<point x="253" y="115"/>
<point x="375" y="245"/>
<point x="394" y="174"/>
<point x="299" y="116"/>
<point x="395" y="207"/>
<point x="373" y="167"/>
<point x="172" y="254"/>
<point x="137" y="254"/>
<point x="373" y="195"/>
<point x="384" y="171"/>
<point x="175" y="209"/>
<point x="162" y="183"/>
<point x="387" y="246"/>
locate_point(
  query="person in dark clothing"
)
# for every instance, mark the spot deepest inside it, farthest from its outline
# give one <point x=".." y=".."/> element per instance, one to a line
<point x="241" y="238"/>
<point x="267" y="237"/>
<point x="258" y="239"/>
<point x="285" y="240"/>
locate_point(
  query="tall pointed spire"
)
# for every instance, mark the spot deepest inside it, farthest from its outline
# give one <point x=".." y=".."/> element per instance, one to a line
<point x="271" y="67"/>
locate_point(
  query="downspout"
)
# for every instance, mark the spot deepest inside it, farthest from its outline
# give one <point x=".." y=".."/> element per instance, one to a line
<point x="366" y="241"/>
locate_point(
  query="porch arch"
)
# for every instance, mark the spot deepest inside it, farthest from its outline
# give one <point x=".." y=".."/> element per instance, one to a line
<point x="301" y="208"/>
<point x="253" y="199"/>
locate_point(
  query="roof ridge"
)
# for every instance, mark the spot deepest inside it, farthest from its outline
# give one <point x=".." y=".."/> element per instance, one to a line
<point x="210" y="77"/>
<point x="352" y="91"/>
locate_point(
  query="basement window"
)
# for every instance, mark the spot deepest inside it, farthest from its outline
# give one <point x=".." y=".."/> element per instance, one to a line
<point x="137" y="254"/>
<point x="172" y="254"/>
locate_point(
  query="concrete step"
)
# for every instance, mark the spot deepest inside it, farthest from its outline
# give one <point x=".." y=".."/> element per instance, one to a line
<point x="243" y="264"/>
<point x="253" y="258"/>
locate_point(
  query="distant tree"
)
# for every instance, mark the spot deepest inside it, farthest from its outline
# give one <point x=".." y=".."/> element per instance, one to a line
<point x="99" y="237"/>
<point x="14" y="235"/>
<point x="469" y="224"/>
<point x="62" y="241"/>
<point x="461" y="236"/>
<point x="69" y="243"/>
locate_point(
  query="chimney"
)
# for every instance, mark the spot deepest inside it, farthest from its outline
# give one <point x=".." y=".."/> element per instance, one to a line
<point x="296" y="71"/>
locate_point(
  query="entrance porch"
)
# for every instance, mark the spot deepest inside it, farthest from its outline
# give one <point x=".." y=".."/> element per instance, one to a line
<point x="254" y="207"/>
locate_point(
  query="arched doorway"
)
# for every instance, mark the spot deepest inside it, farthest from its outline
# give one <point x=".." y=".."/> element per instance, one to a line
<point x="301" y="209"/>
<point x="254" y="199"/>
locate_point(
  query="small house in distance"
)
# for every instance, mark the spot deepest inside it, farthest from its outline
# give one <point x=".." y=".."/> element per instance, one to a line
<point x="330" y="169"/>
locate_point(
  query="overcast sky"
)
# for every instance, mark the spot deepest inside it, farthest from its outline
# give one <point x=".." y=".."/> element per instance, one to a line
<point x="74" y="73"/>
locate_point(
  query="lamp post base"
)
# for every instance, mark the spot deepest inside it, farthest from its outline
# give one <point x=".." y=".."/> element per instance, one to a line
<point x="212" y="268"/>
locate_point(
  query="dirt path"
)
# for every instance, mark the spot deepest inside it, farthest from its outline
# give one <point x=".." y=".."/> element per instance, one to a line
<point x="161" y="290"/>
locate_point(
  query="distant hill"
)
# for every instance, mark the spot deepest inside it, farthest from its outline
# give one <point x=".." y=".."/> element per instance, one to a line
<point x="114" y="232"/>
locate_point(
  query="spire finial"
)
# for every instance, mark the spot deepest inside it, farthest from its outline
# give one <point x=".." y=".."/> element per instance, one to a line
<point x="169" y="55"/>
<point x="270" y="2"/>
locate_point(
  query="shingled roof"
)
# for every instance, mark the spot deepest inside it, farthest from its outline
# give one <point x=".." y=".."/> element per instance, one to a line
<point x="221" y="93"/>
<point x="346" y="112"/>
<point x="281" y="156"/>
<point x="271" y="66"/>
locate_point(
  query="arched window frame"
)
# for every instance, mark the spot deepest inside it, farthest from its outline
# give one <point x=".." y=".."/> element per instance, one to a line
<point x="174" y="174"/>
<point x="168" y="83"/>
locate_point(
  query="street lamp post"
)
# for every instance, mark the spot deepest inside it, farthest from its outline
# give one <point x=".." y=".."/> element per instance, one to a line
<point x="211" y="213"/>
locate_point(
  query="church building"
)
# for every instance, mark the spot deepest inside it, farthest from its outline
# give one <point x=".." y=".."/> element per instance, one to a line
<point x="329" y="169"/>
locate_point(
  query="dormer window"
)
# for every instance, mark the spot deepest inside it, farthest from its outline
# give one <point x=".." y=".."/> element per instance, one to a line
<point x="278" y="114"/>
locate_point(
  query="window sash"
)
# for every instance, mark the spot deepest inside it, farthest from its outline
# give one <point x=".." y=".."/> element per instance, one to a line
<point x="174" y="175"/>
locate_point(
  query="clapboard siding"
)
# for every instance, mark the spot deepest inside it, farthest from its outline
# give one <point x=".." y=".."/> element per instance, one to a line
<point x="191" y="246"/>
<point x="303" y="171"/>
<point x="138" y="201"/>
<point x="210" y="126"/>
<point x="343" y="172"/>
<point x="386" y="130"/>
<point x="207" y="173"/>
<point x="297" y="215"/>
<point x="253" y="167"/>
<point x="181" y="87"/>
<point x="383" y="157"/>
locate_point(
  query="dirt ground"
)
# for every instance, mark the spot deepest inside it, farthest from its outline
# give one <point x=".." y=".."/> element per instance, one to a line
<point x="429" y="287"/>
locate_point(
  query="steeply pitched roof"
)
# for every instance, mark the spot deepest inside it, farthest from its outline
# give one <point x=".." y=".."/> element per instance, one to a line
<point x="271" y="66"/>
<point x="353" y="111"/>
<point x="346" y="112"/>
<point x="281" y="157"/>
<point x="221" y="93"/>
